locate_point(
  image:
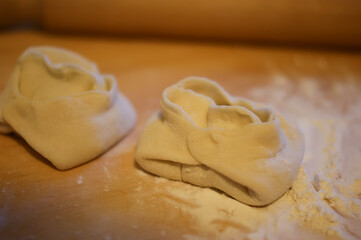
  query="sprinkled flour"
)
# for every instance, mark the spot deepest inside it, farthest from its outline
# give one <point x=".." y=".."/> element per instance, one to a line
<point x="325" y="200"/>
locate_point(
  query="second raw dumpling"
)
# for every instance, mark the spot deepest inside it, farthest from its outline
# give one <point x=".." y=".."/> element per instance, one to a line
<point x="204" y="136"/>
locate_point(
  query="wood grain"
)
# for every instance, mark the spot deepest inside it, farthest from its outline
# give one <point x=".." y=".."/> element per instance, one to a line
<point x="109" y="197"/>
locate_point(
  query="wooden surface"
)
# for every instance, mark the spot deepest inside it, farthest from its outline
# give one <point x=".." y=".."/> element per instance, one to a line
<point x="103" y="199"/>
<point x="317" y="22"/>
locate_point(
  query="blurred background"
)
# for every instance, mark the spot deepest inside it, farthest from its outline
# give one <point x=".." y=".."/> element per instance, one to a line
<point x="326" y="23"/>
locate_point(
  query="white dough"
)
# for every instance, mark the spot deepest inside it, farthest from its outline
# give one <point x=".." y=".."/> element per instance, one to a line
<point x="63" y="107"/>
<point x="206" y="137"/>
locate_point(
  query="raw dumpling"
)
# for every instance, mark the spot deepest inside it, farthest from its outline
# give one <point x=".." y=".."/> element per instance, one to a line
<point x="63" y="107"/>
<point x="205" y="137"/>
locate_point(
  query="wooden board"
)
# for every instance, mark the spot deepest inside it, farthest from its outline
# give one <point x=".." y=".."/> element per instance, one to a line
<point x="110" y="197"/>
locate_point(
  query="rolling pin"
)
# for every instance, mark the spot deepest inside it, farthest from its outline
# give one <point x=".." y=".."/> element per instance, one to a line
<point x="315" y="22"/>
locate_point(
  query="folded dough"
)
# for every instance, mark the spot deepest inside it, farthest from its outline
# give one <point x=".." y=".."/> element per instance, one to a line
<point x="63" y="107"/>
<point x="205" y="137"/>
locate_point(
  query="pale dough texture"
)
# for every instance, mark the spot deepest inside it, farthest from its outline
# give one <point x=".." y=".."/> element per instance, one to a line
<point x="204" y="136"/>
<point x="63" y="107"/>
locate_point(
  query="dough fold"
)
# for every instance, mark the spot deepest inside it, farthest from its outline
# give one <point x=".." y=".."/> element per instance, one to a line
<point x="64" y="107"/>
<point x="204" y="136"/>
